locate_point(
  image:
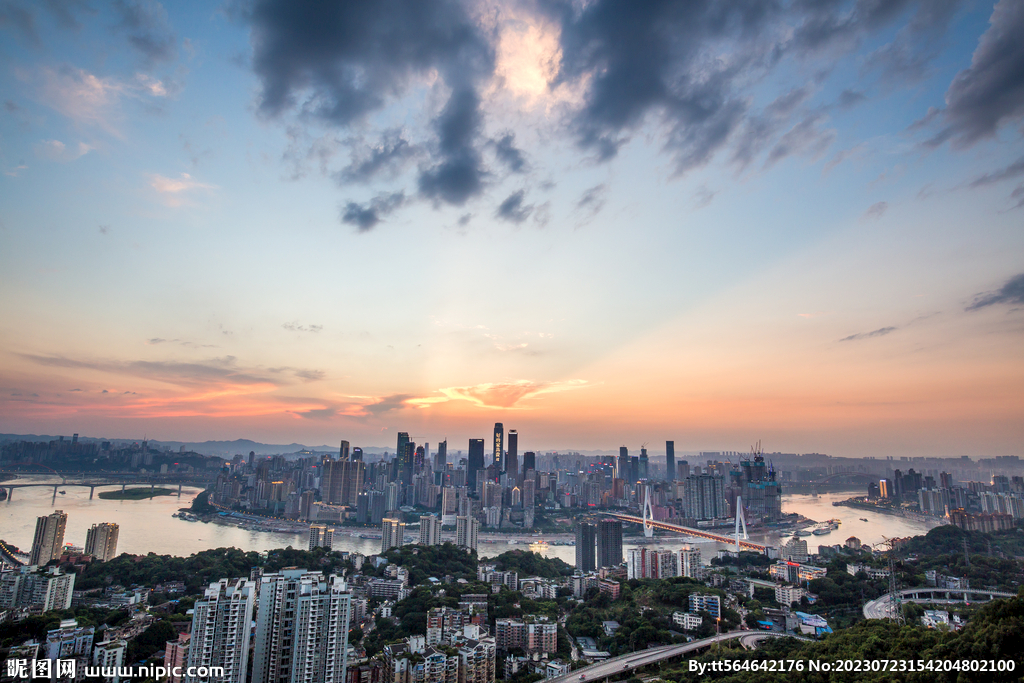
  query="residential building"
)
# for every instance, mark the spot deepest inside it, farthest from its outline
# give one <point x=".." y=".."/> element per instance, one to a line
<point x="321" y="536"/>
<point x="787" y="595"/>
<point x="586" y="538"/>
<point x="688" y="621"/>
<point x="220" y="629"/>
<point x="101" y="541"/>
<point x="689" y="563"/>
<point x="302" y="628"/>
<point x="49" y="538"/>
<point x="176" y="657"/>
<point x="392" y="534"/>
<point x="110" y="655"/>
<point x="42" y="589"/>
<point x="609" y="543"/>
<point x="430" y="530"/>
<point x="712" y="604"/>
<point x="467" y="529"/>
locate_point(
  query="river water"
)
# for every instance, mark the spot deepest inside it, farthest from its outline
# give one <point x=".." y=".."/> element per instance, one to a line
<point x="147" y="526"/>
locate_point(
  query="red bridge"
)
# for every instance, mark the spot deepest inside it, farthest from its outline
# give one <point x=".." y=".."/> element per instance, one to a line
<point x="697" y="533"/>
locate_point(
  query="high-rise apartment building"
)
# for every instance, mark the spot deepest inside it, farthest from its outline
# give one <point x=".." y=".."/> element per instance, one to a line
<point x="40" y="589"/>
<point x="49" y="538"/>
<point x="499" y="449"/>
<point x="689" y="563"/>
<point x="467" y="529"/>
<point x="609" y="543"/>
<point x="475" y="462"/>
<point x="176" y="657"/>
<point x="101" y="541"/>
<point x="705" y="497"/>
<point x="302" y="628"/>
<point x="430" y="530"/>
<point x="341" y="481"/>
<point x="670" y="460"/>
<point x="321" y="536"/>
<point x="586" y="537"/>
<point x="392" y="534"/>
<point x="220" y="630"/>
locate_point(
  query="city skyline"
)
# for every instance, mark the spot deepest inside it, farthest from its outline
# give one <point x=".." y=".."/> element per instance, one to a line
<point x="799" y="224"/>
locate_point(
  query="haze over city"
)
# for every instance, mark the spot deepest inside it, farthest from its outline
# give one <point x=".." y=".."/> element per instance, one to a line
<point x="597" y="224"/>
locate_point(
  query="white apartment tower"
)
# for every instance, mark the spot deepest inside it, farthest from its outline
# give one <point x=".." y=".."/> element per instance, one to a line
<point x="392" y="534"/>
<point x="321" y="536"/>
<point x="220" y="629"/>
<point x="101" y="541"/>
<point x="302" y="628"/>
<point x="466" y="531"/>
<point x="430" y="530"/>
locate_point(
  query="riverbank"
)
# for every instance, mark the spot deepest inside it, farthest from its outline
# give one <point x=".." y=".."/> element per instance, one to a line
<point x="906" y="514"/>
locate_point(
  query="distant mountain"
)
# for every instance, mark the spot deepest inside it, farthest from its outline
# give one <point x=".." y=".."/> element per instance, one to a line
<point x="224" y="449"/>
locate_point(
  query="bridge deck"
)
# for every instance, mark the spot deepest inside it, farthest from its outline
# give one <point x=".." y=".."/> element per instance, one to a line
<point x="697" y="533"/>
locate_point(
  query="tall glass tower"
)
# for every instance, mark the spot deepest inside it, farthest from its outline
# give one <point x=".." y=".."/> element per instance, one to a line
<point x="499" y="448"/>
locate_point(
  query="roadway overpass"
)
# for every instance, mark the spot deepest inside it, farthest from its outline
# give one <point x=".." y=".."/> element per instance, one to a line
<point x="636" y="660"/>
<point x="697" y="533"/>
<point x="880" y="607"/>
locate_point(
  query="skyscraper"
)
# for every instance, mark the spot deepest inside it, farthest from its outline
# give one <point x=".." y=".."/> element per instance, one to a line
<point x="392" y="534"/>
<point x="643" y="473"/>
<point x="49" y="538"/>
<point x="609" y="543"/>
<point x="512" y="456"/>
<point x="441" y="457"/>
<point x="476" y="461"/>
<point x="341" y="481"/>
<point x="101" y="541"/>
<point x="466" y="531"/>
<point x="343" y="451"/>
<point x="670" y="460"/>
<point x="357" y="454"/>
<point x="624" y="465"/>
<point x="302" y="628"/>
<point x="220" y="630"/>
<point x="586" y="536"/>
<point x="499" y="449"/>
<point x="430" y="530"/>
<point x="529" y="461"/>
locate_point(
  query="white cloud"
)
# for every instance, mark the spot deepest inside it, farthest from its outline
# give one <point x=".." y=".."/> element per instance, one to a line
<point x="55" y="150"/>
<point x="174" y="191"/>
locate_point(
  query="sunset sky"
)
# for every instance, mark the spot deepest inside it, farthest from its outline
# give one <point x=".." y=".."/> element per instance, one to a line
<point x="599" y="223"/>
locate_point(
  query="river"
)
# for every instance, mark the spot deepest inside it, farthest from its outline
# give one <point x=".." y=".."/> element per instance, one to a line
<point x="147" y="526"/>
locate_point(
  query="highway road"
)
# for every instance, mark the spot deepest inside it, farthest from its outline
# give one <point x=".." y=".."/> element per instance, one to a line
<point x="879" y="608"/>
<point x="635" y="660"/>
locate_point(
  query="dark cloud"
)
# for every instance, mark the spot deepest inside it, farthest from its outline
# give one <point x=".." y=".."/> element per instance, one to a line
<point x="460" y="173"/>
<point x="647" y="59"/>
<point x="881" y="332"/>
<point x="509" y="154"/>
<point x="223" y="369"/>
<point x="465" y="218"/>
<point x="1012" y="171"/>
<point x="876" y="210"/>
<point x="148" y="28"/>
<point x="849" y="98"/>
<point x="317" y="413"/>
<point x="339" y="61"/>
<point x="20" y="18"/>
<point x="592" y="201"/>
<point x="908" y="57"/>
<point x="1010" y="293"/>
<point x="806" y="137"/>
<point x="366" y="216"/>
<point x="386" y="158"/>
<point x="513" y="210"/>
<point x="759" y="130"/>
<point x="310" y="375"/>
<point x="991" y="91"/>
<point x="1018" y="194"/>
<point x="387" y="404"/>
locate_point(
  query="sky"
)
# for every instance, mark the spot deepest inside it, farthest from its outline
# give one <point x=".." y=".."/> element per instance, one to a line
<point x="599" y="223"/>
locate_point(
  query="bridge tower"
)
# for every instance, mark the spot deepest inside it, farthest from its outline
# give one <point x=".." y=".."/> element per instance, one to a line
<point x="741" y="520"/>
<point x="648" y="513"/>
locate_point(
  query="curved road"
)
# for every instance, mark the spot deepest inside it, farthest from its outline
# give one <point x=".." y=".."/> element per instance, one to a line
<point x="879" y="608"/>
<point x="635" y="660"/>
